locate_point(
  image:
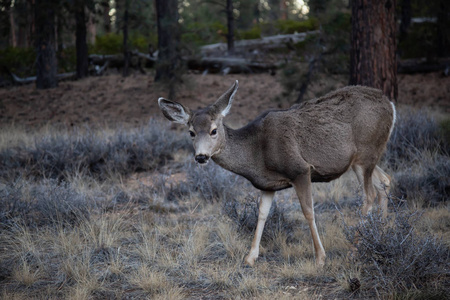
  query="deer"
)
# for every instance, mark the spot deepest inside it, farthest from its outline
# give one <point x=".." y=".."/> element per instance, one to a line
<point x="314" y="141"/>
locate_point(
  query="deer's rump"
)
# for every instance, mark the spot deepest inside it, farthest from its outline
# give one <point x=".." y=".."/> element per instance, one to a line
<point x="327" y="135"/>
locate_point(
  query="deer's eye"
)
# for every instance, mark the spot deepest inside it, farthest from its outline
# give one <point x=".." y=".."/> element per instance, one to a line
<point x="214" y="132"/>
<point x="191" y="133"/>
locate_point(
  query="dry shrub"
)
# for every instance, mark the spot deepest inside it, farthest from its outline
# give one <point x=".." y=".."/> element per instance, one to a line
<point x="394" y="258"/>
<point x="92" y="153"/>
<point x="428" y="182"/>
<point x="418" y="155"/>
<point x="47" y="202"/>
<point x="414" y="132"/>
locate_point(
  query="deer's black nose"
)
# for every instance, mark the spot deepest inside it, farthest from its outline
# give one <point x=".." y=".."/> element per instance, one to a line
<point x="201" y="158"/>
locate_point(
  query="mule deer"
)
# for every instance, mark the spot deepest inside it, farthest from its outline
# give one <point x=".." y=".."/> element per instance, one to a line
<point x="315" y="141"/>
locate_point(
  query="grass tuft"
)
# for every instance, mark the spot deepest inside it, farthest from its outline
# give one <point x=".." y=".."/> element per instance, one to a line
<point x="394" y="257"/>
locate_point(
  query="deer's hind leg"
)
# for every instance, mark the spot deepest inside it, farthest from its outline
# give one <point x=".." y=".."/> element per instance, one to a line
<point x="382" y="183"/>
<point x="364" y="175"/>
<point x="375" y="183"/>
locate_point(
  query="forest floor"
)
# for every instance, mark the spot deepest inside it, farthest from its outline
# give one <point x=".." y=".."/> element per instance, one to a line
<point x="114" y="99"/>
<point x="100" y="199"/>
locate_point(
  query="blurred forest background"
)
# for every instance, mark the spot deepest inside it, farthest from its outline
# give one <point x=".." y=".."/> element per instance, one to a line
<point x="100" y="198"/>
<point x="87" y="37"/>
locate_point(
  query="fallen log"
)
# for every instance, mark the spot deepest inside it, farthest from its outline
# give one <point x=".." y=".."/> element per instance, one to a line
<point x="270" y="42"/>
<point x="422" y="65"/>
<point x="229" y="65"/>
<point x="117" y="60"/>
<point x="26" y="80"/>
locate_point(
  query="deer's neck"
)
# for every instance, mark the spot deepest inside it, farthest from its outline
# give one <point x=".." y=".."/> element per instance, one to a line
<point x="239" y="151"/>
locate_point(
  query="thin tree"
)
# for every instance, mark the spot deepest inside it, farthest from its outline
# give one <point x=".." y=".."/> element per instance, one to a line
<point x="230" y="25"/>
<point x="373" y="45"/>
<point x="228" y="8"/>
<point x="126" y="53"/>
<point x="106" y="16"/>
<point x="81" y="44"/>
<point x="443" y="28"/>
<point x="46" y="63"/>
<point x="169" y="60"/>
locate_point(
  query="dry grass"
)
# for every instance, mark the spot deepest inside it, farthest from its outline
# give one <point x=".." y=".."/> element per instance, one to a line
<point x="159" y="236"/>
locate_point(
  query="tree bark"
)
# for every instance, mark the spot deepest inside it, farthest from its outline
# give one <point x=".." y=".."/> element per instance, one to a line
<point x="169" y="60"/>
<point x="126" y="54"/>
<point x="373" y="45"/>
<point x="274" y="12"/>
<point x="81" y="44"/>
<point x="283" y="10"/>
<point x="46" y="63"/>
<point x="13" y="26"/>
<point x="230" y="24"/>
<point x="443" y="29"/>
<point x="406" y="18"/>
<point x="106" y="17"/>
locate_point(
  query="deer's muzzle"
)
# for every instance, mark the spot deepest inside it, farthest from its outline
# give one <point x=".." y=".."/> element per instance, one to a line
<point x="201" y="158"/>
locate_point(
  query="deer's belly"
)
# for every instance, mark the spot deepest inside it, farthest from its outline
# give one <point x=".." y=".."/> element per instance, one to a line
<point x="270" y="184"/>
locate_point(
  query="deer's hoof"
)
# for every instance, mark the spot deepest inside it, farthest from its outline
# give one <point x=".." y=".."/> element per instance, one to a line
<point x="250" y="261"/>
<point x="320" y="262"/>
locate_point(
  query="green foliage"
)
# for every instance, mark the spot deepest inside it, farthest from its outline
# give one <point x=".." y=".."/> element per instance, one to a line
<point x="141" y="42"/>
<point x="252" y="33"/>
<point x="330" y="49"/>
<point x="426" y="33"/>
<point x="20" y="61"/>
<point x="67" y="59"/>
<point x="111" y="43"/>
<point x="336" y="28"/>
<point x="337" y="23"/>
<point x="199" y="34"/>
<point x="445" y="131"/>
<point x="292" y="26"/>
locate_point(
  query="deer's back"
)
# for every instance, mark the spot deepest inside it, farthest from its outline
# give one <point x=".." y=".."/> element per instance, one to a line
<point x="327" y="134"/>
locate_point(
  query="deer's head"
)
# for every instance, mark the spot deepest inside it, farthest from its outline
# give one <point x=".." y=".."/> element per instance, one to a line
<point x="205" y="125"/>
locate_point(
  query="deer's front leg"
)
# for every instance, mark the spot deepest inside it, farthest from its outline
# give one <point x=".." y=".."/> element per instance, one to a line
<point x="302" y="187"/>
<point x="264" y="207"/>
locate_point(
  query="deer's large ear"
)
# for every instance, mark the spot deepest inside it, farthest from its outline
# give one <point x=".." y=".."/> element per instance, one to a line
<point x="174" y="111"/>
<point x="223" y="104"/>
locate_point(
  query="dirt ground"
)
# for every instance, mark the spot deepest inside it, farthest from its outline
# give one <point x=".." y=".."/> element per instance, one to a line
<point x="113" y="100"/>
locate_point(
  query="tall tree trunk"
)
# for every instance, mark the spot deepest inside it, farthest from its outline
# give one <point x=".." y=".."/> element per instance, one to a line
<point x="406" y="18"/>
<point x="443" y="29"/>
<point x="126" y="53"/>
<point x="256" y="13"/>
<point x="169" y="61"/>
<point x="12" y="26"/>
<point x="274" y="12"/>
<point x="106" y="16"/>
<point x="46" y="63"/>
<point x="59" y="36"/>
<point x="373" y="45"/>
<point x="81" y="44"/>
<point x="29" y="35"/>
<point x="91" y="27"/>
<point x="230" y="24"/>
<point x="283" y="10"/>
